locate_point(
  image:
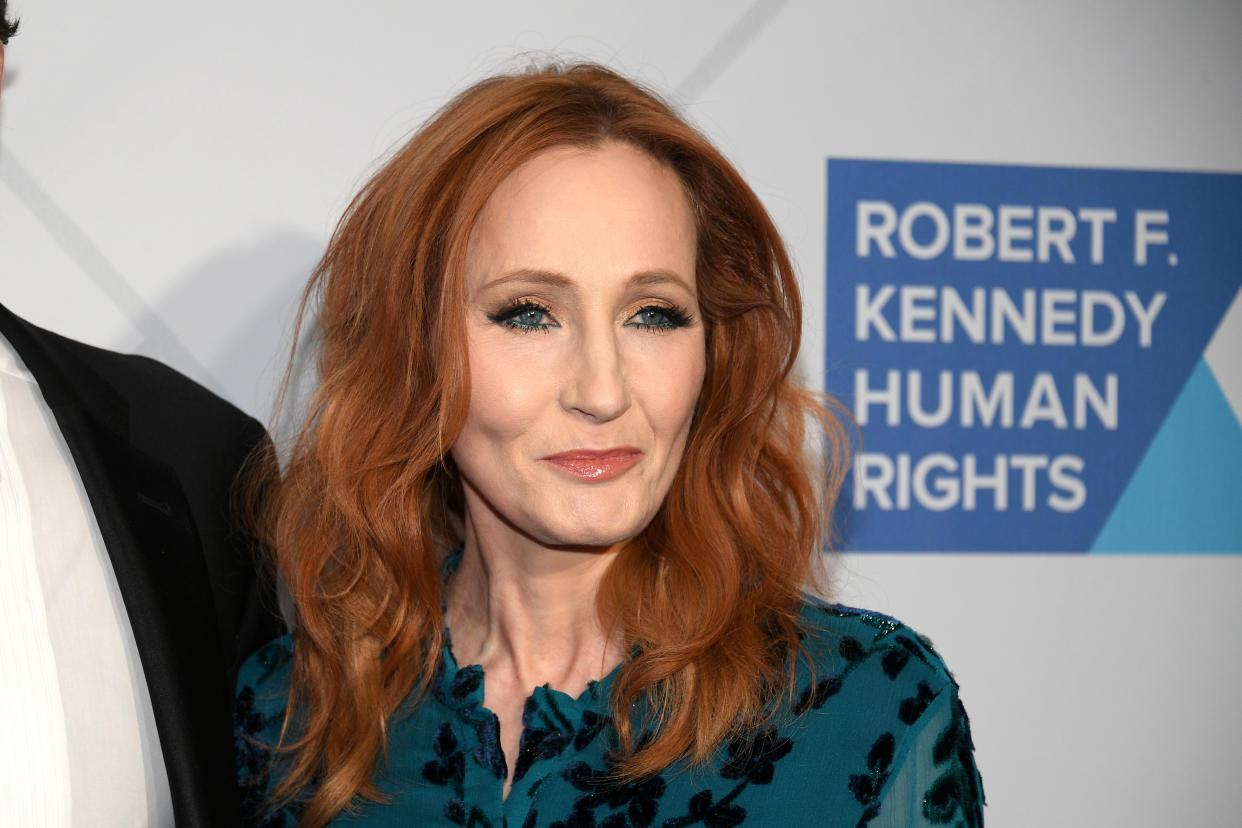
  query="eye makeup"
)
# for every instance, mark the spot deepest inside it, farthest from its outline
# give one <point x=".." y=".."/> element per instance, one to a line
<point x="529" y="315"/>
<point x="660" y="318"/>
<point x="524" y="315"/>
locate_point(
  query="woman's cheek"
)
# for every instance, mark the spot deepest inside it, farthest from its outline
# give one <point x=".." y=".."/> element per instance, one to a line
<point x="676" y="379"/>
<point x="512" y="379"/>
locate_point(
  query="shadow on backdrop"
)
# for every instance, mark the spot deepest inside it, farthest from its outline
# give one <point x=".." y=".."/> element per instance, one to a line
<point x="237" y="309"/>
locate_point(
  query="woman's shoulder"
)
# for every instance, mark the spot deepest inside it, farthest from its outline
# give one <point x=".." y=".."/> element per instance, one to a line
<point x="258" y="719"/>
<point x="857" y="642"/>
<point x="870" y="664"/>
<point x="263" y="690"/>
<point x="879" y="695"/>
<point x="265" y="674"/>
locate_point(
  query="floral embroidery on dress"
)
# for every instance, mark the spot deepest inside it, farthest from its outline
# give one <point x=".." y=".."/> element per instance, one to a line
<point x="253" y="755"/>
<point x="867" y="693"/>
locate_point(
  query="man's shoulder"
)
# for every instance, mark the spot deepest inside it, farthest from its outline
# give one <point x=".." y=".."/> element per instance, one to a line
<point x="56" y="358"/>
<point x="140" y="377"/>
<point x="168" y="413"/>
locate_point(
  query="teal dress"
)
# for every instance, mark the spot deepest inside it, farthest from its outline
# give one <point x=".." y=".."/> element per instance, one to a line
<point x="875" y="736"/>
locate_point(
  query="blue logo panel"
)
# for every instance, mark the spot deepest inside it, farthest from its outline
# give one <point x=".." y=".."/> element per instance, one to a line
<point x="1011" y="341"/>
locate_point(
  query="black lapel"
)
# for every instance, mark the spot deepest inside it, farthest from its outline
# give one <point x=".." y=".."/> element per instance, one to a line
<point x="156" y="555"/>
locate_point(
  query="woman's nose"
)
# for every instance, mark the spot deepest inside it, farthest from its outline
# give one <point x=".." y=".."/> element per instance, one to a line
<point x="597" y="384"/>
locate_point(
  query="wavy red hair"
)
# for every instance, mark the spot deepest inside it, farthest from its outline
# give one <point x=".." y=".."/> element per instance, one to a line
<point x="705" y="600"/>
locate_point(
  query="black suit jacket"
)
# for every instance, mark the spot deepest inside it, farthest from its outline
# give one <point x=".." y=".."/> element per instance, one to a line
<point x="158" y="456"/>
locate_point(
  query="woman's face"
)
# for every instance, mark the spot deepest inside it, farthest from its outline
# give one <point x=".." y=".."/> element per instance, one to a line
<point x="585" y="345"/>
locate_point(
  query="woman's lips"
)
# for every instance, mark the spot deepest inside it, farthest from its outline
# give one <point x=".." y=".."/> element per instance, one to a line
<point x="595" y="466"/>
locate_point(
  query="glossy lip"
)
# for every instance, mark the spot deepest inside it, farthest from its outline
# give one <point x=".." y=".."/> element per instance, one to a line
<point x="595" y="466"/>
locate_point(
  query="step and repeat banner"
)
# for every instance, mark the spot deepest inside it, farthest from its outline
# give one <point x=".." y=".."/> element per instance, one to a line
<point x="1018" y="229"/>
<point x="1038" y="356"/>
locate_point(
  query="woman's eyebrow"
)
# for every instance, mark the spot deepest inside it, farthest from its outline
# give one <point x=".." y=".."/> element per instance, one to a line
<point x="553" y="279"/>
<point x="546" y="278"/>
<point x="660" y="277"/>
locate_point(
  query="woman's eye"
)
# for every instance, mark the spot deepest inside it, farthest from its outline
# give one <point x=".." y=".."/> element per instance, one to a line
<point x="525" y="317"/>
<point x="657" y="318"/>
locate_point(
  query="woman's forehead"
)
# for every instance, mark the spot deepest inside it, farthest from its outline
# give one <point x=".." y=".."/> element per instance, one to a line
<point x="572" y="210"/>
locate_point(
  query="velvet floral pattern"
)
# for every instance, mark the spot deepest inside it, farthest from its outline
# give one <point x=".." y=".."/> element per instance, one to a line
<point x="876" y="735"/>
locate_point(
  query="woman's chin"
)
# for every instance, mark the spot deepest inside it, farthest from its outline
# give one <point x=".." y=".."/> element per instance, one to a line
<point x="590" y="518"/>
<point x="593" y="533"/>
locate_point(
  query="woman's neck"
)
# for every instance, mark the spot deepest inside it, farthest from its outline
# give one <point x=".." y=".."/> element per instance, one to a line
<point x="526" y="613"/>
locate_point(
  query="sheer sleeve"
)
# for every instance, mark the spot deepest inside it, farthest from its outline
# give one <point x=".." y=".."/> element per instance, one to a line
<point x="934" y="780"/>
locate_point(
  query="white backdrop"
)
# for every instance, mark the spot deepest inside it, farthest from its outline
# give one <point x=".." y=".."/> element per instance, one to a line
<point x="170" y="171"/>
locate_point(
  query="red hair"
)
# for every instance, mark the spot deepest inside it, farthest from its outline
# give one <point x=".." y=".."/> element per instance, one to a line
<point x="705" y="599"/>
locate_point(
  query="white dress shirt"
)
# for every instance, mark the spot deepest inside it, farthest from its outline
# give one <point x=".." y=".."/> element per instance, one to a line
<point x="79" y="745"/>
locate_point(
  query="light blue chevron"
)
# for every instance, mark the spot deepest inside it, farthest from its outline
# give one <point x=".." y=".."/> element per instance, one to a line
<point x="1186" y="494"/>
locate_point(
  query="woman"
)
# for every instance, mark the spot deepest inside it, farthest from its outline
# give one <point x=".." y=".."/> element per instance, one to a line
<point x="556" y="419"/>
